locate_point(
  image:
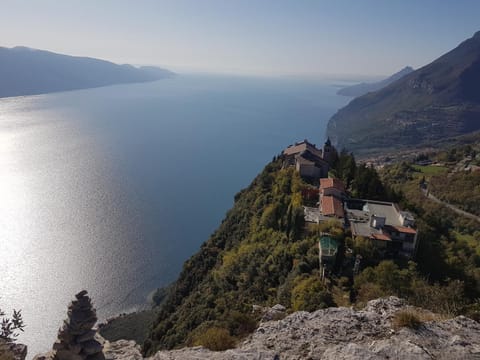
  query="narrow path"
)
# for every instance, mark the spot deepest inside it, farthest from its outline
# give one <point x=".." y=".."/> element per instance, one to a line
<point x="432" y="197"/>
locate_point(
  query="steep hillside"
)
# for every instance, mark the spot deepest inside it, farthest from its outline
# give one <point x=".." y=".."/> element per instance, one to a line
<point x="264" y="254"/>
<point x="259" y="255"/>
<point x="25" y="71"/>
<point x="438" y="101"/>
<point x="363" y="88"/>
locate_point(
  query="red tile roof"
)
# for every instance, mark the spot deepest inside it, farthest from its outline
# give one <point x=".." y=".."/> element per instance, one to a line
<point x="383" y="237"/>
<point x="301" y="147"/>
<point x="331" y="182"/>
<point x="331" y="206"/>
<point x="403" y="229"/>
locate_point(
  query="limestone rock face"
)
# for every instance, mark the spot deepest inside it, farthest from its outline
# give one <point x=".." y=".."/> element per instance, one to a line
<point x="346" y="334"/>
<point x="122" y="350"/>
<point x="328" y="334"/>
<point x="76" y="338"/>
<point x="276" y="312"/>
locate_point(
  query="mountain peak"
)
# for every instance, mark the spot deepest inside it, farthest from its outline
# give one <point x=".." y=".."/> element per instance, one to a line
<point x="444" y="92"/>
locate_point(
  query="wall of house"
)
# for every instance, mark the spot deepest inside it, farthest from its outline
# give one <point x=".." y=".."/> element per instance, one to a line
<point x="309" y="171"/>
<point x="332" y="191"/>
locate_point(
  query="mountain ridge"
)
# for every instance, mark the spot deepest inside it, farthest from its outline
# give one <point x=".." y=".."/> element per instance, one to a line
<point x="438" y="101"/>
<point x="27" y="71"/>
<point x="363" y="88"/>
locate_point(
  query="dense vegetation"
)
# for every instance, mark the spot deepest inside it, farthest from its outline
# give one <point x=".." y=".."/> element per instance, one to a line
<point x="457" y="184"/>
<point x="263" y="253"/>
<point x="448" y="257"/>
<point x="459" y="189"/>
<point x="259" y="255"/>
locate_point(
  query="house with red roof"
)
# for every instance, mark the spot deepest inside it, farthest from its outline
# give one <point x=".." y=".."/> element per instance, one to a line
<point x="332" y="193"/>
<point x="391" y="229"/>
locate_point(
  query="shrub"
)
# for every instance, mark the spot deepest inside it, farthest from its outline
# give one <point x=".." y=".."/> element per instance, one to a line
<point x="241" y="324"/>
<point x="215" y="339"/>
<point x="309" y="295"/>
<point x="407" y="318"/>
<point x="9" y="327"/>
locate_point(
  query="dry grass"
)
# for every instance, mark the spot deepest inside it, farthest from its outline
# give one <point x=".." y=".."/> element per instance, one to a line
<point x="215" y="339"/>
<point x="406" y="318"/>
<point x="341" y="297"/>
<point x="413" y="318"/>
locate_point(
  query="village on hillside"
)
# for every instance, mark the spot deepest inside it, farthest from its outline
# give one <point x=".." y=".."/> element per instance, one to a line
<point x="389" y="229"/>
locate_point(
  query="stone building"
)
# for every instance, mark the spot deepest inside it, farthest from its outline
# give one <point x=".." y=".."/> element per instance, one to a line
<point x="309" y="161"/>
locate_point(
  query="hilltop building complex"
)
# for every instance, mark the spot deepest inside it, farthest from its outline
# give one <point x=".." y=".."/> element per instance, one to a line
<point x="309" y="161"/>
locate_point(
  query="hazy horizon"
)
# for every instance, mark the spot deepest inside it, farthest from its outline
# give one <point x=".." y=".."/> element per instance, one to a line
<point x="280" y="37"/>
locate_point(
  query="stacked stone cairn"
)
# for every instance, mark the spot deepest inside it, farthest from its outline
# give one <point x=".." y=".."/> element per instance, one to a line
<point x="77" y="339"/>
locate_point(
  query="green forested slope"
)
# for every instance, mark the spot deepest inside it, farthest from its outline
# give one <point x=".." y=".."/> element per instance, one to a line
<point x="259" y="255"/>
<point x="262" y="254"/>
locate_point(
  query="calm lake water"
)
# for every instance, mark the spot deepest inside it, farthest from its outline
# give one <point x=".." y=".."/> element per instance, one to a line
<point x="111" y="189"/>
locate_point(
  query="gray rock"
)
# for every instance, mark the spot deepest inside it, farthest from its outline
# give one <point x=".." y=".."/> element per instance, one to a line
<point x="349" y="351"/>
<point x="89" y="335"/>
<point x="17" y="351"/>
<point x="47" y="356"/>
<point x="76" y="338"/>
<point x="67" y="355"/>
<point x="328" y="334"/>
<point x="91" y="347"/>
<point x="59" y="345"/>
<point x="276" y="312"/>
<point x="122" y="350"/>
<point x="81" y="294"/>
<point x="346" y="334"/>
<point x="97" y="356"/>
<point x="279" y="307"/>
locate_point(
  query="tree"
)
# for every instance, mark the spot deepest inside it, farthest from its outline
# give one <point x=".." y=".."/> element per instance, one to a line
<point x="309" y="295"/>
<point x="10" y="327"/>
<point x="215" y="339"/>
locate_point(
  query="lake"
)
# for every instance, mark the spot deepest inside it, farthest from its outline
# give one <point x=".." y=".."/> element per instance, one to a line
<point x="112" y="189"/>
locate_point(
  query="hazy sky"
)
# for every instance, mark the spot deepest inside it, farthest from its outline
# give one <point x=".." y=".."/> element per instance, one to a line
<point x="245" y="36"/>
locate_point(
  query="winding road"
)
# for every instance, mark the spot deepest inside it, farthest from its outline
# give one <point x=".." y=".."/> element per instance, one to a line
<point x="432" y="197"/>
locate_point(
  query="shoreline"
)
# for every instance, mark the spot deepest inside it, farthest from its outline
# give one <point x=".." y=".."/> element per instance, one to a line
<point x="134" y="325"/>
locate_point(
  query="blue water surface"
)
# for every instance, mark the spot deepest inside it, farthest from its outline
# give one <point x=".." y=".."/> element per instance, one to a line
<point x="112" y="189"/>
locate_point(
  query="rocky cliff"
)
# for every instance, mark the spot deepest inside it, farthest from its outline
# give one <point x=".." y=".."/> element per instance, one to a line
<point x="343" y="333"/>
<point x="338" y="333"/>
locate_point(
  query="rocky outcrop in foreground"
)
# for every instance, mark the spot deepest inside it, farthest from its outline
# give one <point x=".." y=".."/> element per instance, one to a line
<point x="77" y="340"/>
<point x="12" y="351"/>
<point x="336" y="334"/>
<point x="343" y="333"/>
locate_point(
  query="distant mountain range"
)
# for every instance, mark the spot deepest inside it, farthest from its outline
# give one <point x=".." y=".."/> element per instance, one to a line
<point x="438" y="101"/>
<point x="25" y="71"/>
<point x="363" y="88"/>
